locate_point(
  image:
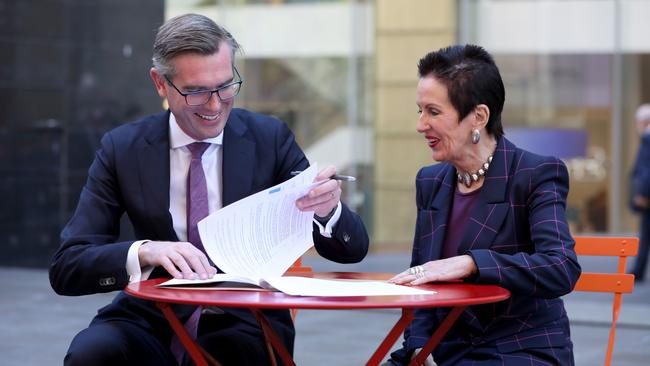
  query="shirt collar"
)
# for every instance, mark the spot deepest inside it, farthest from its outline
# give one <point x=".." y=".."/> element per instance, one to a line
<point x="178" y="138"/>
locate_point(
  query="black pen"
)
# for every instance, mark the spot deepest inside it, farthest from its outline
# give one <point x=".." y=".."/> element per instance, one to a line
<point x="346" y="178"/>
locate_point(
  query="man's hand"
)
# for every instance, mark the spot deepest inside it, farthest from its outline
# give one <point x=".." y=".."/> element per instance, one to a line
<point x="448" y="269"/>
<point x="181" y="259"/>
<point x="323" y="198"/>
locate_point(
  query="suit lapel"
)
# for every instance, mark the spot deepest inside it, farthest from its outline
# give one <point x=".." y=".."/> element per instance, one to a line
<point x="492" y="206"/>
<point x="153" y="168"/>
<point x="440" y="210"/>
<point x="238" y="161"/>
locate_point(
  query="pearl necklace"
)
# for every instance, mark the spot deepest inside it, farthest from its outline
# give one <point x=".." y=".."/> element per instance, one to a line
<point x="468" y="178"/>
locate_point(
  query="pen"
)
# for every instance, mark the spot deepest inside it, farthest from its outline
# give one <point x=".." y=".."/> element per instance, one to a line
<point x="346" y="178"/>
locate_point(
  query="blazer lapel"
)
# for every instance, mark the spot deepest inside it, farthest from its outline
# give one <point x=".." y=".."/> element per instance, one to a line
<point x="492" y="206"/>
<point x="439" y="210"/>
<point x="153" y="164"/>
<point x="238" y="161"/>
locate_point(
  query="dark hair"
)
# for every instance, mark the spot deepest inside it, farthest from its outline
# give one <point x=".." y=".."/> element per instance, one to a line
<point x="471" y="78"/>
<point x="188" y="33"/>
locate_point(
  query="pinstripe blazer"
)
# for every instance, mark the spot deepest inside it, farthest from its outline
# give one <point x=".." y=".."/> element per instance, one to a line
<point x="519" y="238"/>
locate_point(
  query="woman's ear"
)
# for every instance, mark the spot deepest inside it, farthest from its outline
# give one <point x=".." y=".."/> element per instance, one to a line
<point x="481" y="116"/>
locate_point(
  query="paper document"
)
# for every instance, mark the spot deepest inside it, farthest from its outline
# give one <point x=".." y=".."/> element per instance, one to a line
<point x="304" y="286"/>
<point x="259" y="236"/>
<point x="263" y="234"/>
<point x="256" y="239"/>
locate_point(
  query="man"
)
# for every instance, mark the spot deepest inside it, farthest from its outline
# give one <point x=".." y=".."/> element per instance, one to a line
<point x="141" y="169"/>
<point x="641" y="190"/>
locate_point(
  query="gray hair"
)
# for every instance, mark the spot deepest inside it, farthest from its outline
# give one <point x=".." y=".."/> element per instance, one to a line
<point x="188" y="33"/>
<point x="643" y="117"/>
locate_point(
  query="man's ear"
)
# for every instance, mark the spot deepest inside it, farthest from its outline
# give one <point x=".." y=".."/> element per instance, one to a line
<point x="159" y="81"/>
<point x="481" y="116"/>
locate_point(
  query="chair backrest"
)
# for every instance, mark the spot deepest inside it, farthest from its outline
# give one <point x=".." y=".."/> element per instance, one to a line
<point x="297" y="267"/>
<point x="617" y="283"/>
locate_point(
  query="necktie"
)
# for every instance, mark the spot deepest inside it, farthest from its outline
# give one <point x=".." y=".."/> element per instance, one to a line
<point x="197" y="193"/>
<point x="196" y="209"/>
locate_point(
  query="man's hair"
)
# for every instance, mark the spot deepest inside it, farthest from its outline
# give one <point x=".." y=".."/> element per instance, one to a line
<point x="188" y="33"/>
<point x="643" y="117"/>
<point x="471" y="78"/>
<point x="643" y="113"/>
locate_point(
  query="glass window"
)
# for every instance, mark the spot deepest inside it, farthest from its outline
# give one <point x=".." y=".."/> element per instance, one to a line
<point x="582" y="83"/>
<point x="308" y="65"/>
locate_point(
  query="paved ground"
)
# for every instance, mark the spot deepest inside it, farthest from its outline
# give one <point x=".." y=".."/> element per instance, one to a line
<point x="37" y="325"/>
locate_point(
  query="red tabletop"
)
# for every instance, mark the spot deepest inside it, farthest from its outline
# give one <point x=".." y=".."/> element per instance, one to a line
<point x="447" y="295"/>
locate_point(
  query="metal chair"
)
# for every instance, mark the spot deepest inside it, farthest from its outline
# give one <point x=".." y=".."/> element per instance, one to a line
<point x="297" y="267"/>
<point x="617" y="283"/>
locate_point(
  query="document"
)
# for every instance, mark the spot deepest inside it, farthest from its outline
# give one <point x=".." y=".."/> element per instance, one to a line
<point x="256" y="239"/>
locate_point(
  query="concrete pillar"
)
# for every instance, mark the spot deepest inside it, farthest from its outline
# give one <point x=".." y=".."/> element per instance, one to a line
<point x="405" y="31"/>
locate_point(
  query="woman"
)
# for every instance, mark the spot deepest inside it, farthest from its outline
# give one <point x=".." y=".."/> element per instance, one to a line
<point x="489" y="213"/>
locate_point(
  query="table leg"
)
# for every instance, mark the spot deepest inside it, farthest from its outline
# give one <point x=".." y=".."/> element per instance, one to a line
<point x="391" y="337"/>
<point x="196" y="352"/>
<point x="272" y="340"/>
<point x="437" y="336"/>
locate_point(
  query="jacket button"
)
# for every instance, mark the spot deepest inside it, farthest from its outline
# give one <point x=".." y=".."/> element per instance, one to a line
<point x="346" y="237"/>
<point x="107" y="281"/>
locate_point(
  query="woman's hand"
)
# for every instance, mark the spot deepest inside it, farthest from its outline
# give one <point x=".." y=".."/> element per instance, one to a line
<point x="448" y="269"/>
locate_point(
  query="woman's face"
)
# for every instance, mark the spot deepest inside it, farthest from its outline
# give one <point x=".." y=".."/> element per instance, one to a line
<point x="447" y="138"/>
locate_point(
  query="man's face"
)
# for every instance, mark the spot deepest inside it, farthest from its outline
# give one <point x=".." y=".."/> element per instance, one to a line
<point x="196" y="72"/>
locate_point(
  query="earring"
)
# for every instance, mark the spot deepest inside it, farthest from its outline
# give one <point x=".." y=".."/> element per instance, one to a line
<point x="476" y="136"/>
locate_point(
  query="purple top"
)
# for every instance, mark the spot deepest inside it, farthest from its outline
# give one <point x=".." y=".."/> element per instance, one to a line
<point x="461" y="207"/>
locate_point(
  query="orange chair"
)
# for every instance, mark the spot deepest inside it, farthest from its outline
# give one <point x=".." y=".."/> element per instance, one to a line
<point x="617" y="283"/>
<point x="297" y="267"/>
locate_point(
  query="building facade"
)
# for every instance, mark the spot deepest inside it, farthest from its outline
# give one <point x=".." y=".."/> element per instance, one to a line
<point x="342" y="74"/>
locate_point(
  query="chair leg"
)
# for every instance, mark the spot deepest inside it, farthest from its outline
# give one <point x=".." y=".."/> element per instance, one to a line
<point x="612" y="332"/>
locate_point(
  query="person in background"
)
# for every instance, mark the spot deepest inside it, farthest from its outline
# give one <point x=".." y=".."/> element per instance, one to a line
<point x="640" y="190"/>
<point x="142" y="170"/>
<point x="488" y="213"/>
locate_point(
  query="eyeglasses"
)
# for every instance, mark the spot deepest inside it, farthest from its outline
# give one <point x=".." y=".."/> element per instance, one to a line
<point x="225" y="93"/>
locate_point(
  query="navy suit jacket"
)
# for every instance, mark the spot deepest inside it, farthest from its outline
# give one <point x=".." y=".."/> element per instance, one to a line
<point x="130" y="174"/>
<point x="640" y="180"/>
<point x="519" y="238"/>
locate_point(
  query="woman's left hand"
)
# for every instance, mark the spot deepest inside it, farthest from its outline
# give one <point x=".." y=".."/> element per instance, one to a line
<point x="448" y="269"/>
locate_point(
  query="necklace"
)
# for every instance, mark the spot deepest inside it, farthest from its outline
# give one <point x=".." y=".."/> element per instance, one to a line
<point x="469" y="178"/>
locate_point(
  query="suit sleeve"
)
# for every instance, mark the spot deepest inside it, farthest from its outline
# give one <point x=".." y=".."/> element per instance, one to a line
<point x="551" y="269"/>
<point x="89" y="260"/>
<point x="349" y="242"/>
<point x="642" y="181"/>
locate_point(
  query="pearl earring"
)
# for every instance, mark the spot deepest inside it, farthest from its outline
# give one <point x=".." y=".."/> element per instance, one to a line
<point x="476" y="136"/>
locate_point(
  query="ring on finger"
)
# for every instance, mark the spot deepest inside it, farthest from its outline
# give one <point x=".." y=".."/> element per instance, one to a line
<point x="416" y="270"/>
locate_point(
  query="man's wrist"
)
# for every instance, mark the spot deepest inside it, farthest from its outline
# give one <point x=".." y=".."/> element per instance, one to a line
<point x="324" y="220"/>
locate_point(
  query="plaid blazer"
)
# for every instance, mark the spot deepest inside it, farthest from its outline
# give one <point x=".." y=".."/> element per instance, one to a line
<point x="519" y="238"/>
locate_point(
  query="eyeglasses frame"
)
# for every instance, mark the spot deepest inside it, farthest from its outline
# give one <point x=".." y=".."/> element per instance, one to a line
<point x="185" y="95"/>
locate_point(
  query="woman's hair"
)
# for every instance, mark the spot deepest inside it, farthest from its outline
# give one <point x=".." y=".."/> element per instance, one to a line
<point x="188" y="33"/>
<point x="471" y="78"/>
